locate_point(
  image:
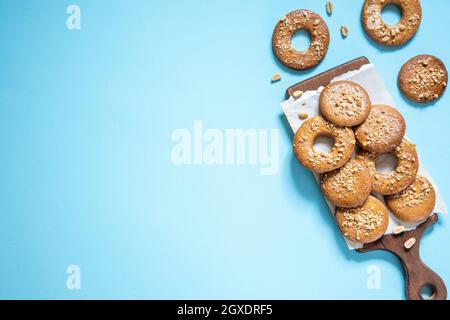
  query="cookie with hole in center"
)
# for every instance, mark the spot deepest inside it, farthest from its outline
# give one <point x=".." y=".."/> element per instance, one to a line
<point x="344" y="103"/>
<point x="391" y="35"/>
<point x="320" y="162"/>
<point x="285" y="30"/>
<point x="423" y="78"/>
<point x="382" y="131"/>
<point x="415" y="203"/>
<point x="363" y="224"/>
<point x="401" y="177"/>
<point x="349" y="186"/>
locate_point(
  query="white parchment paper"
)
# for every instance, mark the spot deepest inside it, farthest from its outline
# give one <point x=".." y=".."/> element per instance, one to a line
<point x="367" y="77"/>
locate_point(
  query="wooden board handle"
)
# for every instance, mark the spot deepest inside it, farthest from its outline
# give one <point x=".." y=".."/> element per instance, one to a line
<point x="417" y="274"/>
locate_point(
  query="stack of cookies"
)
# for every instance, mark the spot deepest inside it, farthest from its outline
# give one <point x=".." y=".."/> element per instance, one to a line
<point x="362" y="133"/>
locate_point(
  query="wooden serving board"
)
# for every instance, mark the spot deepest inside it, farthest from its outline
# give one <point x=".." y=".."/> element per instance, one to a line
<point x="417" y="274"/>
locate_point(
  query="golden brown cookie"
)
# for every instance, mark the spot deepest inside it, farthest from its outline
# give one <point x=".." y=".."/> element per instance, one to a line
<point x="285" y="30"/>
<point x="382" y="131"/>
<point x="423" y="78"/>
<point x="344" y="103"/>
<point x="402" y="176"/>
<point x="415" y="203"/>
<point x="320" y="162"/>
<point x="349" y="186"/>
<point x="363" y="224"/>
<point x="394" y="35"/>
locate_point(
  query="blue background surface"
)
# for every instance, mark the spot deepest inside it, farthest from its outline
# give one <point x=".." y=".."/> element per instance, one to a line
<point x="86" y="178"/>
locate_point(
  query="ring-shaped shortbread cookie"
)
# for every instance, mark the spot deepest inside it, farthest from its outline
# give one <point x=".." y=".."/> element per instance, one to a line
<point x="285" y="30"/>
<point x="402" y="176"/>
<point x="320" y="162"/>
<point x="391" y="35"/>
